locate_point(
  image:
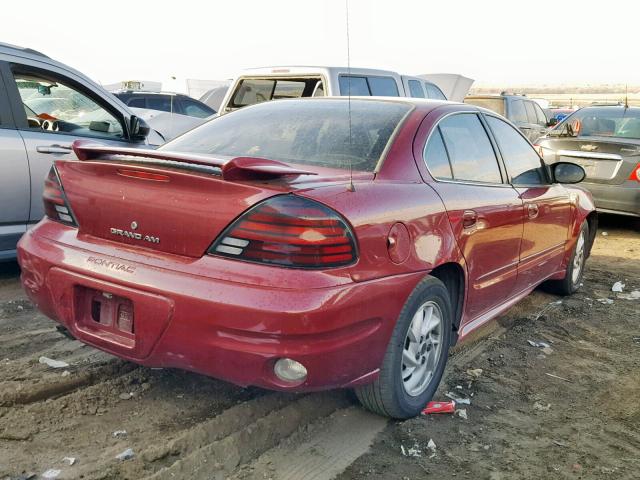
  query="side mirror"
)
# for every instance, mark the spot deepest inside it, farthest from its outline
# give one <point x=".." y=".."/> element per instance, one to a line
<point x="566" y="172"/>
<point x="139" y="129"/>
<point x="553" y="122"/>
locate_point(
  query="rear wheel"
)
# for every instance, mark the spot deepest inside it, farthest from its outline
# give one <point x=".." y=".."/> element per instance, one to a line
<point x="575" y="268"/>
<point x="416" y="356"/>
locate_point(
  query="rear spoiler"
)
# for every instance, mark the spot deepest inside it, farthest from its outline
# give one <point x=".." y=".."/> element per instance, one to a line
<point x="239" y="168"/>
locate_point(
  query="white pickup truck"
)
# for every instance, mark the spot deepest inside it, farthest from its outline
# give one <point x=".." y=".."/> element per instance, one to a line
<point x="271" y="83"/>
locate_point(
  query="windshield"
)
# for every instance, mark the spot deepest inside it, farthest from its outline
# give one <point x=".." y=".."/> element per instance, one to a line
<point x="617" y="122"/>
<point x="314" y="132"/>
<point x="257" y="90"/>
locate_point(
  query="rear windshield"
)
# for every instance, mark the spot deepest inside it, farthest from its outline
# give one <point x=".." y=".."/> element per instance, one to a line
<point x="256" y="90"/>
<point x="493" y="104"/>
<point x="616" y="122"/>
<point x="313" y="132"/>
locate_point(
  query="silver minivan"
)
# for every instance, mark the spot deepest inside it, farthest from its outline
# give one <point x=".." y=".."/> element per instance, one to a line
<point x="44" y="107"/>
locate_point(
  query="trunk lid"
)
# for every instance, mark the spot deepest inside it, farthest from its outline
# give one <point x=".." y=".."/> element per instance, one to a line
<point x="605" y="160"/>
<point x="161" y="208"/>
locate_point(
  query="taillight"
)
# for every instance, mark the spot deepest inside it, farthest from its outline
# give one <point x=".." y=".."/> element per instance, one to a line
<point x="635" y="173"/>
<point x="56" y="206"/>
<point x="289" y="231"/>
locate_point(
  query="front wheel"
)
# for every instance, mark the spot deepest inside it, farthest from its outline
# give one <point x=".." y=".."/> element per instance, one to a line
<point x="416" y="356"/>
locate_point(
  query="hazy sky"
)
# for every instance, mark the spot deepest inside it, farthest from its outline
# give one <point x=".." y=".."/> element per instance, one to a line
<point x="496" y="42"/>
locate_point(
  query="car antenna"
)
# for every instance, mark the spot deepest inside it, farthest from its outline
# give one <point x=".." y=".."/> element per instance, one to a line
<point x="351" y="187"/>
<point x="626" y="96"/>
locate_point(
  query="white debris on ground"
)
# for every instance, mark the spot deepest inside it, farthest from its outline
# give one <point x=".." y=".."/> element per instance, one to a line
<point x="411" y="451"/>
<point x="462" y="413"/>
<point x="126" y="455"/>
<point x="69" y="460"/>
<point x="618" y="287"/>
<point x="474" y="372"/>
<point x="457" y="399"/>
<point x="53" y="363"/>
<point x="119" y="433"/>
<point x="541" y="407"/>
<point x="51" y="474"/>
<point x="633" y="295"/>
<point x="538" y="344"/>
<point x="604" y="301"/>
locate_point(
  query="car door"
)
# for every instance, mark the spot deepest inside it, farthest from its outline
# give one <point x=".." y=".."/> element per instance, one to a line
<point x="14" y="180"/>
<point x="485" y="212"/>
<point x="547" y="206"/>
<point x="51" y="111"/>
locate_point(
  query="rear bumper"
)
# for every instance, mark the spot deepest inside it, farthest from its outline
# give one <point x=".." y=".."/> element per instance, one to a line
<point x="228" y="330"/>
<point x="623" y="198"/>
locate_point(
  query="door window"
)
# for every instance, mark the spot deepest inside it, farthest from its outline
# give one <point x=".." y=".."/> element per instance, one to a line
<point x="531" y="112"/>
<point x="367" y="86"/>
<point x="56" y="107"/>
<point x="383" y="86"/>
<point x="517" y="111"/>
<point x="522" y="162"/>
<point x="415" y="89"/>
<point x="137" y="102"/>
<point x="435" y="154"/>
<point x="542" y="118"/>
<point x="470" y="152"/>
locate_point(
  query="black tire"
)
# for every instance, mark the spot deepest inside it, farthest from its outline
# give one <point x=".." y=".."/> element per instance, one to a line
<point x="387" y="395"/>
<point x="571" y="283"/>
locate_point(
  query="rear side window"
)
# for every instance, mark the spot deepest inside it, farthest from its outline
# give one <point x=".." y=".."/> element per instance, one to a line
<point x="383" y="86"/>
<point x="435" y="154"/>
<point x="354" y="86"/>
<point x="195" y="109"/>
<point x="517" y="111"/>
<point x="361" y="86"/>
<point x="542" y="118"/>
<point x="470" y="152"/>
<point x="161" y="102"/>
<point x="522" y="162"/>
<point x="434" y="92"/>
<point x="415" y="89"/>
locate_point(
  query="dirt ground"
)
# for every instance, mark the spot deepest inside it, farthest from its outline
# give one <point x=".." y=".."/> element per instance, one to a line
<point x="571" y="410"/>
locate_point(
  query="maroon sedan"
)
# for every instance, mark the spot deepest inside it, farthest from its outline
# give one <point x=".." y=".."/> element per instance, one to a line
<point x="308" y="244"/>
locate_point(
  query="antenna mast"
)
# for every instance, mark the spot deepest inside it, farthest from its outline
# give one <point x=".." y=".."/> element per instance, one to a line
<point x="351" y="187"/>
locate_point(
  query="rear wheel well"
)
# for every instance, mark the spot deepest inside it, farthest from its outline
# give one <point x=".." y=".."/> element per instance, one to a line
<point x="452" y="275"/>
<point x="592" y="221"/>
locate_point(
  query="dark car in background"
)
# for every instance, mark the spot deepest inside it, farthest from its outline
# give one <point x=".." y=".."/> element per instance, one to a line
<point x="522" y="111"/>
<point x="166" y="102"/>
<point x="605" y="141"/>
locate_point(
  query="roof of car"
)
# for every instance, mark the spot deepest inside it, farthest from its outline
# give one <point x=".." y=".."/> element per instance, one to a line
<point x="23" y="50"/>
<point x="313" y="69"/>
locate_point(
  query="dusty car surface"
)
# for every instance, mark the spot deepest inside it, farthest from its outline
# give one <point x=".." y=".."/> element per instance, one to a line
<point x="308" y="244"/>
<point x="605" y="141"/>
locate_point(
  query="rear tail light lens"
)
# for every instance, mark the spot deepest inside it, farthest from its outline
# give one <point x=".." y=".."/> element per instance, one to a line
<point x="289" y="231"/>
<point x="635" y="174"/>
<point x="56" y="206"/>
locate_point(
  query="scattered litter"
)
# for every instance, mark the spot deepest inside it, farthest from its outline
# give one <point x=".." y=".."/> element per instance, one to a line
<point x="457" y="399"/>
<point x="69" y="460"/>
<point x="431" y="445"/>
<point x="556" y="376"/>
<point x="604" y="301"/>
<point x="20" y="308"/>
<point x="541" y="407"/>
<point x="412" y="451"/>
<point x="474" y="372"/>
<point x="605" y="234"/>
<point x="560" y="444"/>
<point x="636" y="340"/>
<point x="458" y="387"/>
<point x="53" y="363"/>
<point x="66" y="373"/>
<point x="538" y="344"/>
<point x="125" y="396"/>
<point x="462" y="413"/>
<point x="439" y="407"/>
<point x="618" y="287"/>
<point x="633" y="295"/>
<point x="557" y="302"/>
<point x="51" y="473"/>
<point x="119" y="433"/>
<point x="126" y="455"/>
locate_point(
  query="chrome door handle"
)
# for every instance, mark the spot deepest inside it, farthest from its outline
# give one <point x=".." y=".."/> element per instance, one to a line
<point x="59" y="149"/>
<point x="532" y="210"/>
